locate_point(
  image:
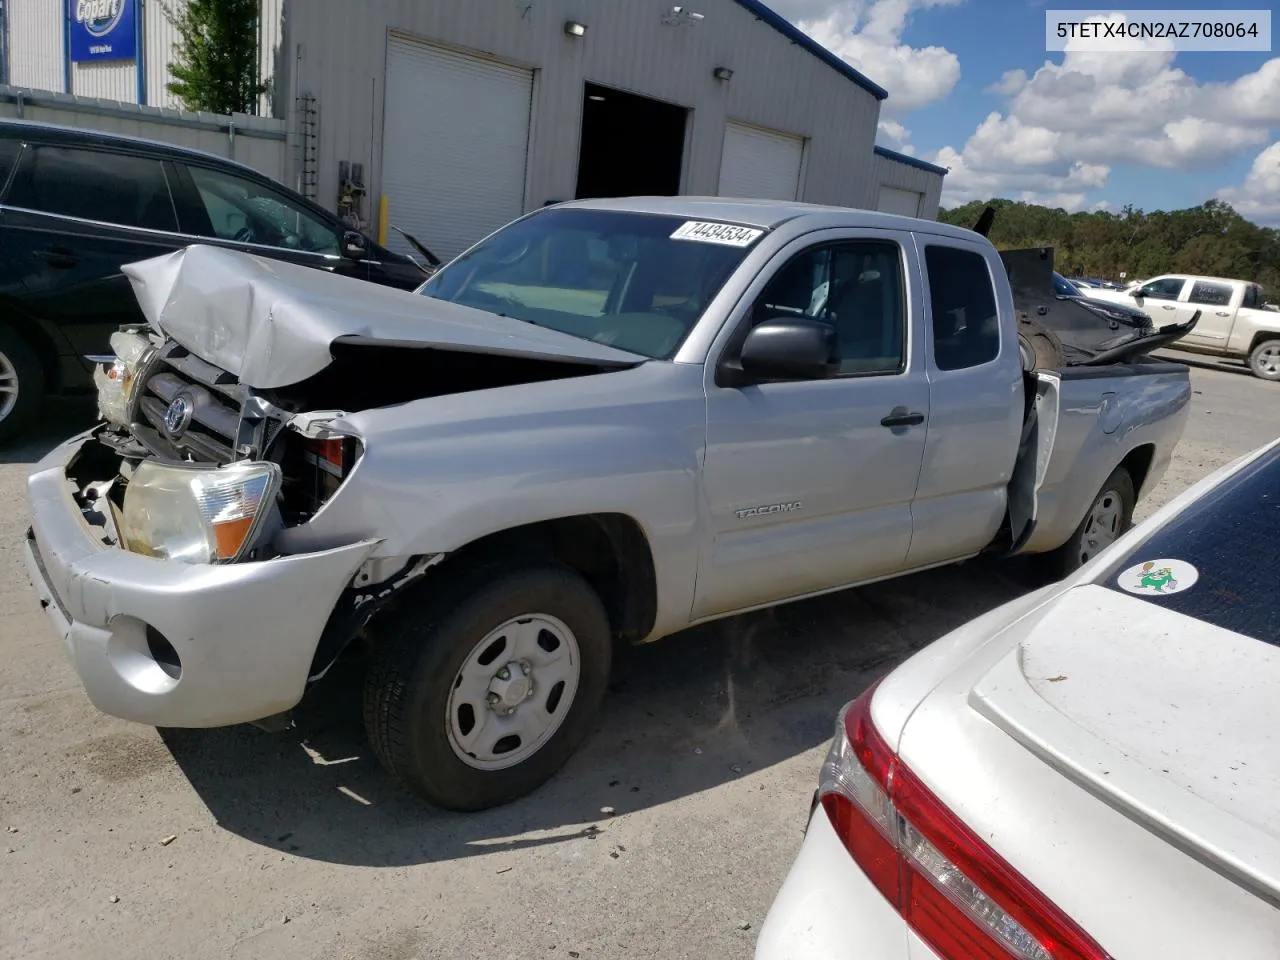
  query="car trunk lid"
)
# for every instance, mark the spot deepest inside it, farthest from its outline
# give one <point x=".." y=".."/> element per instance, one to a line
<point x="1172" y="722"/>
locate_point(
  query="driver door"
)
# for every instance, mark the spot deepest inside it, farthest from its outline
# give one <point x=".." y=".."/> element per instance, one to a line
<point x="228" y="210"/>
<point x="808" y="484"/>
<point x="1161" y="300"/>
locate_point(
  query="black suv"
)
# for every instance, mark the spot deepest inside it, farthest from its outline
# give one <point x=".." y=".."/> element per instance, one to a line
<point x="75" y="205"/>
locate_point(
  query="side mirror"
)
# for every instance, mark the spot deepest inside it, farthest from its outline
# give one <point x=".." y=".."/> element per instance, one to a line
<point x="789" y="349"/>
<point x="1136" y="293"/>
<point x="353" y="245"/>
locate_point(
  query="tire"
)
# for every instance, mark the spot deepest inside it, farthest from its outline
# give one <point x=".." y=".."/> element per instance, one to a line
<point x="432" y="672"/>
<point x="1264" y="360"/>
<point x="21" y="383"/>
<point x="1040" y="347"/>
<point x="1086" y="542"/>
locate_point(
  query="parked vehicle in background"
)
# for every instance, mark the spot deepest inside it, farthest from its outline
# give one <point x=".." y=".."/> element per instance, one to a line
<point x="1234" y="320"/>
<point x="1087" y="772"/>
<point x="75" y="205"/>
<point x="606" y="422"/>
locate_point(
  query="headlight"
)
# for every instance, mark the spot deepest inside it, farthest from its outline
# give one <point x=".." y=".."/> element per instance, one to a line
<point x="195" y="514"/>
<point x="117" y="379"/>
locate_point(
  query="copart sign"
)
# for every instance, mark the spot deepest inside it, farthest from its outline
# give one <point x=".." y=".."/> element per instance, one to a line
<point x="102" y="29"/>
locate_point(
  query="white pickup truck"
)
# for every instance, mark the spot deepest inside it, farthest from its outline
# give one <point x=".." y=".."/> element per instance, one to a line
<point x="606" y="422"/>
<point x="1234" y="319"/>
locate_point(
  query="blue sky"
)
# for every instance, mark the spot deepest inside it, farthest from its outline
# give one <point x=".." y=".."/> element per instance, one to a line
<point x="1080" y="130"/>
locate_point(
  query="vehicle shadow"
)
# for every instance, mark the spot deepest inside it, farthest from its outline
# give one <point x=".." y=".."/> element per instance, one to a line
<point x="1203" y="362"/>
<point x="683" y="715"/>
<point x="57" y="419"/>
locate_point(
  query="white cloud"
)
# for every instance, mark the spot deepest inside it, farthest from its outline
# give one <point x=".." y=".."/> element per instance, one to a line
<point x="868" y="34"/>
<point x="1010" y="82"/>
<point x="892" y="134"/>
<point x="1067" y="189"/>
<point x="1068" y="123"/>
<point x="1258" y="198"/>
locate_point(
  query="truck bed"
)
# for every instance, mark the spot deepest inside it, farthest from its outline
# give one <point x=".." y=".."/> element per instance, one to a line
<point x="1081" y="421"/>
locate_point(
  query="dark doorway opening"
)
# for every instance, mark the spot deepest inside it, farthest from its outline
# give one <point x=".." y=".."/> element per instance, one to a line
<point x="631" y="145"/>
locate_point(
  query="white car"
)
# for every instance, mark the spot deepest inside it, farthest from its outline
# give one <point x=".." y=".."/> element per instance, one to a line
<point x="1090" y="771"/>
<point x="1235" y="320"/>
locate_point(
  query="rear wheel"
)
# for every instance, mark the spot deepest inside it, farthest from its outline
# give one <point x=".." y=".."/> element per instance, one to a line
<point x="476" y="698"/>
<point x="21" y="383"/>
<point x="1264" y="360"/>
<point x="1109" y="516"/>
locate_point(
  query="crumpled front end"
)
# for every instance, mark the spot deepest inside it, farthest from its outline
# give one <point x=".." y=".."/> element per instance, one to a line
<point x="166" y="642"/>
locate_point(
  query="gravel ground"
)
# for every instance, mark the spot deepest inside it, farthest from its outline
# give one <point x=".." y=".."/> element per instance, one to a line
<point x="237" y="843"/>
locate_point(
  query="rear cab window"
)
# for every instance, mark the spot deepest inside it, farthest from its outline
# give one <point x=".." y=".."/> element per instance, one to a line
<point x="962" y="303"/>
<point x="114" y="188"/>
<point x="1215" y="561"/>
<point x="1210" y="294"/>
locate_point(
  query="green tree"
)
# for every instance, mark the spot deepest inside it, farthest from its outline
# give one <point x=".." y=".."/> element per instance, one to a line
<point x="215" y="61"/>
<point x="1209" y="239"/>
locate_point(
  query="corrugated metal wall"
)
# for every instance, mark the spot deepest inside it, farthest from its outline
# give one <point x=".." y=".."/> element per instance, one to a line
<point x="258" y="142"/>
<point x="893" y="173"/>
<point x="270" y="39"/>
<point x="158" y="38"/>
<point x="111" y="80"/>
<point x="36" y="44"/>
<point x="341" y="51"/>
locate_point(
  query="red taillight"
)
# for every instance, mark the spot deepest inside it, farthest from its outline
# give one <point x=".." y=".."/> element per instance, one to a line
<point x="957" y="893"/>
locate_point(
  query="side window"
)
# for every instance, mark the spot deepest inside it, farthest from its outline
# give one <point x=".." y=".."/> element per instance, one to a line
<point x="966" y="324"/>
<point x="857" y="287"/>
<point x="1210" y="294"/>
<point x="1166" y="288"/>
<point x="9" y="150"/>
<point x="1252" y="296"/>
<point x="95" y="185"/>
<point x="245" y="211"/>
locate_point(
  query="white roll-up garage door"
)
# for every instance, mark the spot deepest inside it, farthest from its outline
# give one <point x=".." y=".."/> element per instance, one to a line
<point x="905" y="203"/>
<point x="760" y="163"/>
<point x="454" y="146"/>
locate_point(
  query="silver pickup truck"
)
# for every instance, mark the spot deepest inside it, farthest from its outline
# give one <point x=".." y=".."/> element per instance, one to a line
<point x="604" y="423"/>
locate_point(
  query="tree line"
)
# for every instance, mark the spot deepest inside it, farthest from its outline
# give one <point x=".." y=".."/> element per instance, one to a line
<point x="1211" y="240"/>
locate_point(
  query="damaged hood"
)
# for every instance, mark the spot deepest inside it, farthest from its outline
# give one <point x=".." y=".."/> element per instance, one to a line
<point x="272" y="323"/>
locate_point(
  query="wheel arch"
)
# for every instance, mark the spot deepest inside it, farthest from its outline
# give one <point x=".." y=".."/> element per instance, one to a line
<point x="1138" y="464"/>
<point x="609" y="550"/>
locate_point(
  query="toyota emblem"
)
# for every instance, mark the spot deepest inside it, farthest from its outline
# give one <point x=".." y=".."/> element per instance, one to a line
<point x="178" y="416"/>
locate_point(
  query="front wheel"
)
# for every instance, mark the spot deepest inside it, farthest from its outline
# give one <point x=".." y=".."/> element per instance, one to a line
<point x="21" y="383"/>
<point x="1109" y="516"/>
<point x="476" y="698"/>
<point x="1264" y="360"/>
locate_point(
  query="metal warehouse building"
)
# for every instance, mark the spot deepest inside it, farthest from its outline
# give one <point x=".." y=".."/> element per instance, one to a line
<point x="460" y="115"/>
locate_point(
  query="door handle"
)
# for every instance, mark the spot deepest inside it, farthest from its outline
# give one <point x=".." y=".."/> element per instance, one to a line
<point x="901" y="418"/>
<point x="1167" y="307"/>
<point x="58" y="257"/>
<point x="1222" y="313"/>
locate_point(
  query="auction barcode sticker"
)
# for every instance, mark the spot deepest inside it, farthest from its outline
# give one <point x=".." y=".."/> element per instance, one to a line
<point x="727" y="234"/>
<point x="1147" y="30"/>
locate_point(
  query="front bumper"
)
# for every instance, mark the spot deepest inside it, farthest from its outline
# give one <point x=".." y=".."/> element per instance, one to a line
<point x="827" y="909"/>
<point x="244" y="633"/>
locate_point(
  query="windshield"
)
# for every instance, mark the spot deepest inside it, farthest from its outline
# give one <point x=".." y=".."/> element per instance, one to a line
<point x="1216" y="560"/>
<point x="638" y="282"/>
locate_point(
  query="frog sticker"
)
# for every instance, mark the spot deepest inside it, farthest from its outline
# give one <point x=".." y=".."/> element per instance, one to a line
<point x="1158" y="578"/>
